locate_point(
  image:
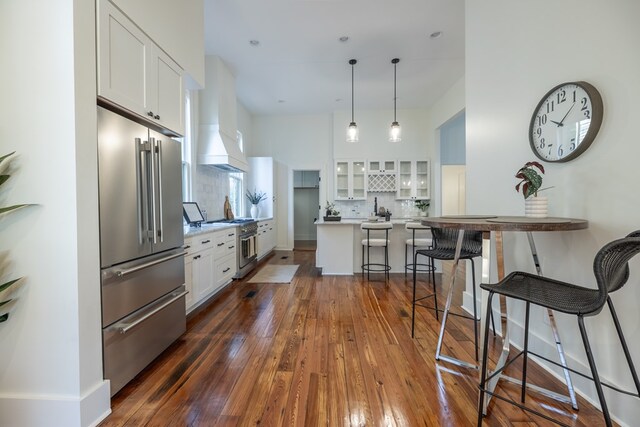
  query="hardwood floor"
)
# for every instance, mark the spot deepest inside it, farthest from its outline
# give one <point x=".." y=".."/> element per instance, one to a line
<point x="304" y="245"/>
<point x="331" y="351"/>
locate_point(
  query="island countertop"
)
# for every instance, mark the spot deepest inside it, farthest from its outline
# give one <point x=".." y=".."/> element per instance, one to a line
<point x="358" y="221"/>
<point x="339" y="249"/>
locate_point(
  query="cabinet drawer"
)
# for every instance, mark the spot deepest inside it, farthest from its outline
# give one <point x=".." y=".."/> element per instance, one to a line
<point x="202" y="242"/>
<point x="225" y="269"/>
<point x="225" y="242"/>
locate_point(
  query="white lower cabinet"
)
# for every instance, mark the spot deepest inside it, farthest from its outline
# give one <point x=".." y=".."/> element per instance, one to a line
<point x="266" y="237"/>
<point x="210" y="264"/>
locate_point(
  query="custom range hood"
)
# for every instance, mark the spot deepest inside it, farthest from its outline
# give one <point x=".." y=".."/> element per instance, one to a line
<point x="217" y="136"/>
<point x="218" y="149"/>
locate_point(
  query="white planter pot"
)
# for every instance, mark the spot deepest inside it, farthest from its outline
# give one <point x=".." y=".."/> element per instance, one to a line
<point x="536" y="207"/>
<point x="255" y="211"/>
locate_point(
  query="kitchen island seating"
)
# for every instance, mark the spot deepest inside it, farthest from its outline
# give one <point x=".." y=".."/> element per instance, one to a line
<point x="444" y="249"/>
<point x="374" y="232"/>
<point x="420" y="238"/>
<point x="611" y="270"/>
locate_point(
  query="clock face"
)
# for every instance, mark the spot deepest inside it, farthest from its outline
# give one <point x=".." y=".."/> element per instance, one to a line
<point x="565" y="122"/>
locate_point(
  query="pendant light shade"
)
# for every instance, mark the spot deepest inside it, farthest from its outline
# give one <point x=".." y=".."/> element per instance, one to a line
<point x="352" y="130"/>
<point x="394" y="132"/>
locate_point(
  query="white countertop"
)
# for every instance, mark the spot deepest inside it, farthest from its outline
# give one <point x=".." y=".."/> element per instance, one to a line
<point x="358" y="221"/>
<point x="206" y="228"/>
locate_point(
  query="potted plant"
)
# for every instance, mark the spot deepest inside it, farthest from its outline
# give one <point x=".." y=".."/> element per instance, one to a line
<point x="331" y="213"/>
<point x="530" y="182"/>
<point x="423" y="205"/>
<point x="8" y="289"/>
<point x="255" y="198"/>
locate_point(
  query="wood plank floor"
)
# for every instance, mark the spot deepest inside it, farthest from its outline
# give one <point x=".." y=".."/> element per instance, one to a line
<point x="331" y="351"/>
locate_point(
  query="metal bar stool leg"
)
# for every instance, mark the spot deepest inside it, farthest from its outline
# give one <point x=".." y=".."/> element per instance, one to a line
<point x="627" y="355"/>
<point x="526" y="353"/>
<point x="435" y="294"/>
<point x="413" y="306"/>
<point x="485" y="356"/>
<point x="475" y="314"/>
<point x="594" y="372"/>
<point x="362" y="262"/>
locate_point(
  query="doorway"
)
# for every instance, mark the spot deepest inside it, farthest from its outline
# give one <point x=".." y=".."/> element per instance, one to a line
<point x="306" y="205"/>
<point x="453" y="166"/>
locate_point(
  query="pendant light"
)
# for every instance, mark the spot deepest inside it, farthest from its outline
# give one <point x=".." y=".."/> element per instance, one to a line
<point x="352" y="130"/>
<point x="394" y="132"/>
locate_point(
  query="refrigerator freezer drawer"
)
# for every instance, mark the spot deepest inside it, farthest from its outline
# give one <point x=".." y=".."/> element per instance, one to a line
<point x="130" y="286"/>
<point x="131" y="344"/>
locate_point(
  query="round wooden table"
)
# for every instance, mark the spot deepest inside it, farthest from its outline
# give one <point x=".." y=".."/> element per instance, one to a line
<point x="493" y="224"/>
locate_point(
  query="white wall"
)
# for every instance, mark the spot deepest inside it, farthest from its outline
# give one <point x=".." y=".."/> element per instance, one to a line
<point x="176" y="26"/>
<point x="294" y="142"/>
<point x="514" y="55"/>
<point x="51" y="359"/>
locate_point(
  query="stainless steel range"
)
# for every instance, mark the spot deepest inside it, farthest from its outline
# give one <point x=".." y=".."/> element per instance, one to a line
<point x="247" y="243"/>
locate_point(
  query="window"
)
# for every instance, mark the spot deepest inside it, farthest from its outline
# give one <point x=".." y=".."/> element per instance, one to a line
<point x="186" y="149"/>
<point x="235" y="193"/>
<point x="235" y="186"/>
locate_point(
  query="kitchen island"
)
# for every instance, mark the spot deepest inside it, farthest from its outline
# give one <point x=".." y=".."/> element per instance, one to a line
<point x="340" y="246"/>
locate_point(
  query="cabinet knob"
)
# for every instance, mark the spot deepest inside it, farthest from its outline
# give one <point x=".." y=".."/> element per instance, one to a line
<point x="220" y="244"/>
<point x="226" y="269"/>
<point x="150" y="114"/>
<point x="157" y="117"/>
<point x="205" y="241"/>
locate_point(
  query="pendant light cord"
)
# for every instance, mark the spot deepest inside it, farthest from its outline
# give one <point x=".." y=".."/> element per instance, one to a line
<point x="352" y="62"/>
<point x="395" y="64"/>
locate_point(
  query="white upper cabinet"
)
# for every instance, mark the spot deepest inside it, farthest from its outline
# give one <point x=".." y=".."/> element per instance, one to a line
<point x="413" y="180"/>
<point x="136" y="74"/>
<point x="350" y="180"/>
<point x="382" y="167"/>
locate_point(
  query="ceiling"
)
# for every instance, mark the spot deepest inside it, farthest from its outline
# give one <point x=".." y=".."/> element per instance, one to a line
<point x="300" y="66"/>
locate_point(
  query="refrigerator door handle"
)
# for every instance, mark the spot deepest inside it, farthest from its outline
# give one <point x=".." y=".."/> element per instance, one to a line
<point x="123" y="329"/>
<point x="121" y="273"/>
<point x="160" y="206"/>
<point x="154" y="191"/>
<point x="143" y="187"/>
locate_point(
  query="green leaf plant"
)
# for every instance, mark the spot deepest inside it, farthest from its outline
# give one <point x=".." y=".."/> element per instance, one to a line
<point x="9" y="289"/>
<point x="530" y="179"/>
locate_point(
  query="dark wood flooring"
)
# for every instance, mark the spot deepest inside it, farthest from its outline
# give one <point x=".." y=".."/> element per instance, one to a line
<point x="323" y="350"/>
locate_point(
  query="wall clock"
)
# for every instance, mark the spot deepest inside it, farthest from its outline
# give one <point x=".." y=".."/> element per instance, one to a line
<point x="566" y="121"/>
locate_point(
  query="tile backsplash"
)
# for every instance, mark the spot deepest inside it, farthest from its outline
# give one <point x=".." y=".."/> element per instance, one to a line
<point x="364" y="208"/>
<point x="211" y="185"/>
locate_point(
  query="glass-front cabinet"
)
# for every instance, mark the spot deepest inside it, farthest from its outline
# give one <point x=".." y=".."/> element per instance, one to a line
<point x="350" y="180"/>
<point x="413" y="180"/>
<point x="382" y="167"/>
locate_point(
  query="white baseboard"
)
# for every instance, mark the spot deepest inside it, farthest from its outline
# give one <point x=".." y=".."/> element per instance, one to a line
<point x="52" y="411"/>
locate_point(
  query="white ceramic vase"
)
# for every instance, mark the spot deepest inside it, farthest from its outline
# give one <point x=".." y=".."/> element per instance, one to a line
<point x="535" y="207"/>
<point x="255" y="211"/>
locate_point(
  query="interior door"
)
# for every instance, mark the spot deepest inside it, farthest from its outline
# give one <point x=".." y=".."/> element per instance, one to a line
<point x="166" y="192"/>
<point x="122" y="189"/>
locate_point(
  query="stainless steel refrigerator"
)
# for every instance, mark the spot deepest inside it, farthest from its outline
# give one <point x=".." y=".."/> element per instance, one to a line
<point x="141" y="239"/>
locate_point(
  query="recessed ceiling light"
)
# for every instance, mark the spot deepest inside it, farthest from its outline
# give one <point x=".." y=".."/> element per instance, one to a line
<point x="254" y="42"/>
<point x="344" y="39"/>
<point x="436" y="35"/>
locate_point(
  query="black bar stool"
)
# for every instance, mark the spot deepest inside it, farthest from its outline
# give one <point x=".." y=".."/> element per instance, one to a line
<point x="611" y="270"/>
<point x="444" y="249"/>
<point x="376" y="229"/>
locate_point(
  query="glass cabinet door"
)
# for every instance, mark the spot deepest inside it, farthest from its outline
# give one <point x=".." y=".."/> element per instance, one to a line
<point x="359" y="179"/>
<point x="422" y="180"/>
<point x="404" y="179"/>
<point x="342" y="180"/>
